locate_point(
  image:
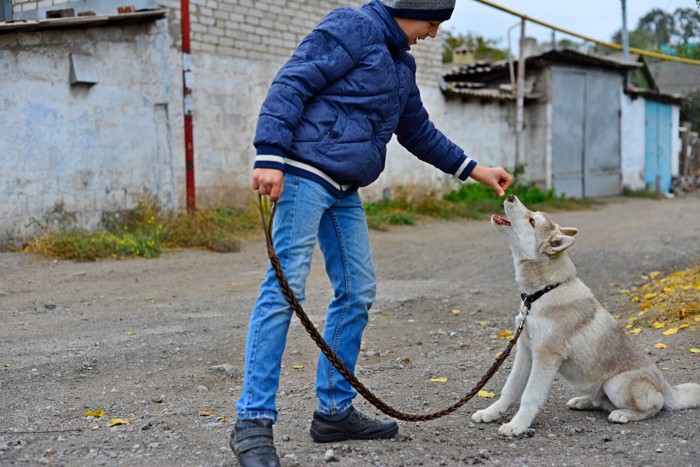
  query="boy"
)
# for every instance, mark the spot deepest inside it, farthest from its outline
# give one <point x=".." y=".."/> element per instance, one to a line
<point x="321" y="135"/>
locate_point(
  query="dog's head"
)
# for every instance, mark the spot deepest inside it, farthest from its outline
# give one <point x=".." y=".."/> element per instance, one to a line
<point x="532" y="235"/>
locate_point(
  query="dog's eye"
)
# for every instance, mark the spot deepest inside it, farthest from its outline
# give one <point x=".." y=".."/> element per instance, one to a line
<point x="532" y="221"/>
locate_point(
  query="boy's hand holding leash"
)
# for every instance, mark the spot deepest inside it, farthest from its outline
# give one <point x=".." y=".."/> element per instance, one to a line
<point x="268" y="182"/>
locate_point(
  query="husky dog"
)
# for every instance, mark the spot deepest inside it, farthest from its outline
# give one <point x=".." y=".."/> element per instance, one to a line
<point x="570" y="333"/>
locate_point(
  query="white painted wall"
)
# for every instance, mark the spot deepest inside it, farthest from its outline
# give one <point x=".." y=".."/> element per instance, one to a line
<point x="77" y="152"/>
<point x="633" y="142"/>
<point x="676" y="140"/>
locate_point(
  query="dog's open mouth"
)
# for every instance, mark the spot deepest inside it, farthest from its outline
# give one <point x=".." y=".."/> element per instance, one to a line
<point x="501" y="220"/>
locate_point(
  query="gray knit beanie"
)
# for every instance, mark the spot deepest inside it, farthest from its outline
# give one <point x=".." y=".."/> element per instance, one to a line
<point x="429" y="10"/>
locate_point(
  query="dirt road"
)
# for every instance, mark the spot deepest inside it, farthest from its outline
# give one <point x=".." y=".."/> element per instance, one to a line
<point x="145" y="340"/>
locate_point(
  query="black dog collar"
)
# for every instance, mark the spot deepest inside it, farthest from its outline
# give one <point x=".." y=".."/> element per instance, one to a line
<point x="528" y="299"/>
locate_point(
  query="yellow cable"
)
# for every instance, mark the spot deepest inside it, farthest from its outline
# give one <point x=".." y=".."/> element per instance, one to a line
<point x="611" y="45"/>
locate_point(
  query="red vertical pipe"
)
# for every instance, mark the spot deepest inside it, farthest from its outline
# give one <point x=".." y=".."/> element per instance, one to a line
<point x="187" y="104"/>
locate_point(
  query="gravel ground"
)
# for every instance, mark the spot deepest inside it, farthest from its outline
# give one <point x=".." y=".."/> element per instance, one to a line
<point x="160" y="343"/>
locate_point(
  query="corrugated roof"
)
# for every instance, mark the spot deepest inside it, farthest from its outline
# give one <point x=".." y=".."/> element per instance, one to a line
<point x="676" y="78"/>
<point x="588" y="58"/>
<point x="486" y="80"/>
<point x="82" y="21"/>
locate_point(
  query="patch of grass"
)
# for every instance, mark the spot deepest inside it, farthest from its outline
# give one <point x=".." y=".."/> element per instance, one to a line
<point x="149" y="229"/>
<point x="641" y="194"/>
<point x="470" y="200"/>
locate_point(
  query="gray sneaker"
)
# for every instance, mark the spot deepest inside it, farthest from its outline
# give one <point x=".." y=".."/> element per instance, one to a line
<point x="350" y="424"/>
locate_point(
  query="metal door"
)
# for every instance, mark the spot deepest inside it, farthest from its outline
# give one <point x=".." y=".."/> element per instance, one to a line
<point x="586" y="154"/>
<point x="657" y="153"/>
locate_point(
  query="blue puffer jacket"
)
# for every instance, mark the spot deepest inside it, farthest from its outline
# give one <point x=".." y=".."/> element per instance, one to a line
<point x="333" y="107"/>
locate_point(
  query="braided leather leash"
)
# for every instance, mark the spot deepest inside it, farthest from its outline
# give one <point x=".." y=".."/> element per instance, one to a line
<point x="340" y="366"/>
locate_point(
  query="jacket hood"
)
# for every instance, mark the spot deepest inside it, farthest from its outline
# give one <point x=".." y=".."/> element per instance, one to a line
<point x="395" y="38"/>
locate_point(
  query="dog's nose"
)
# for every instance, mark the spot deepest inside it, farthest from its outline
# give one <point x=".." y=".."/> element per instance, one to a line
<point x="510" y="198"/>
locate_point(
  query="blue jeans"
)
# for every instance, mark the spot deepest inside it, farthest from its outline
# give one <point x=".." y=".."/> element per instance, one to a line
<point x="307" y="211"/>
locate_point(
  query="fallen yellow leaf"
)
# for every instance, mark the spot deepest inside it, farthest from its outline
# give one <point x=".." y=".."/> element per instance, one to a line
<point x="694" y="350"/>
<point x="658" y="325"/>
<point x="411" y="320"/>
<point x="670" y="331"/>
<point x="505" y="334"/>
<point x="386" y="314"/>
<point x="455" y="312"/>
<point x="223" y="419"/>
<point x="298" y="367"/>
<point x="482" y="323"/>
<point x="131" y="333"/>
<point x="99" y="413"/>
<point x="95" y="427"/>
<point x="205" y="413"/>
<point x="6" y="365"/>
<point x="119" y="421"/>
<point x="439" y="380"/>
<point x="660" y="345"/>
<point x="654" y="274"/>
<point x="636" y="331"/>
<point x="486" y="394"/>
<point x="683" y="326"/>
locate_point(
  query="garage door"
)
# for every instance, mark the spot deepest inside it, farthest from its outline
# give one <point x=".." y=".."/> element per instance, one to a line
<point x="586" y="153"/>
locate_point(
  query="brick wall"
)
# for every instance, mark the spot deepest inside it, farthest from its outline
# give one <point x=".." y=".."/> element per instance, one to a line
<point x="269" y="30"/>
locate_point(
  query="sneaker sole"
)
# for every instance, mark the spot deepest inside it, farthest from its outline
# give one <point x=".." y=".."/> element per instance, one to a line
<point x="340" y="436"/>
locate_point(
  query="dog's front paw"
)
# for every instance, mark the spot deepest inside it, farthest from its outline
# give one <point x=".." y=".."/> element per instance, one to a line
<point x="486" y="415"/>
<point x="619" y="416"/>
<point x="512" y="429"/>
<point x="581" y="403"/>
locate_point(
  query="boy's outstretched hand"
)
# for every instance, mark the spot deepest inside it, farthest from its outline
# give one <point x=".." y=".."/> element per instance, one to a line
<point x="494" y="177"/>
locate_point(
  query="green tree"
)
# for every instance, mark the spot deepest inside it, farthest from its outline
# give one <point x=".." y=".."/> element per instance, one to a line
<point x="638" y="39"/>
<point x="674" y="34"/>
<point x="659" y="25"/>
<point x="687" y="24"/>
<point x="481" y="48"/>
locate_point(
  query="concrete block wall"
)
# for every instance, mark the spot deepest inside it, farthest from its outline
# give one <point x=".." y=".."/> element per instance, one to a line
<point x="269" y="30"/>
<point x="78" y="152"/>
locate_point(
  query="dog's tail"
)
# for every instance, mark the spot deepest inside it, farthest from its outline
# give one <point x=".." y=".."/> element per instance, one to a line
<point x="683" y="396"/>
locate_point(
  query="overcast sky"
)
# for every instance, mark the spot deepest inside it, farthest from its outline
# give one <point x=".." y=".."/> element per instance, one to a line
<point x="598" y="19"/>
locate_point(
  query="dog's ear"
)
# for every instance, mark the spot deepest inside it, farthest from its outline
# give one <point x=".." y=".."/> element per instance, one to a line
<point x="559" y="243"/>
<point x="571" y="231"/>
